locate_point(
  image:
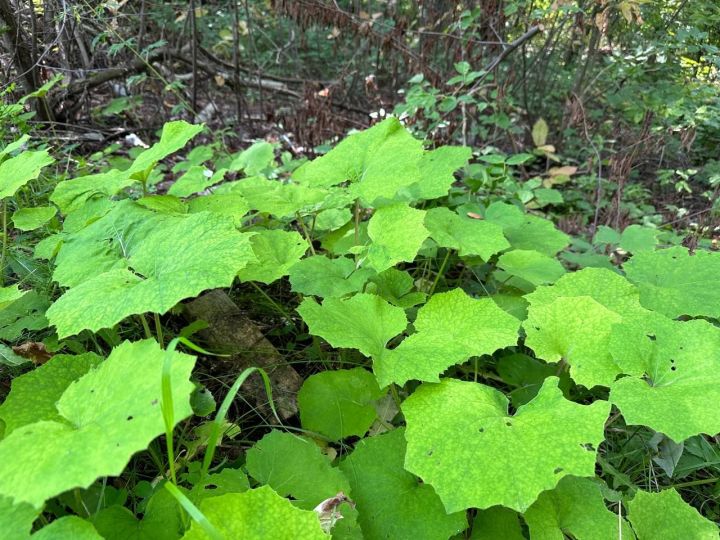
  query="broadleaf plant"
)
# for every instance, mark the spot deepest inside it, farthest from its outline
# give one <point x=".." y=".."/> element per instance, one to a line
<point x="413" y="350"/>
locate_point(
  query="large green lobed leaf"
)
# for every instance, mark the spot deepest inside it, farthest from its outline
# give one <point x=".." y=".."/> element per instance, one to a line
<point x="674" y="282"/>
<point x="463" y="442"/>
<point x="34" y="394"/>
<point x="449" y="329"/>
<point x="179" y="258"/>
<point x="364" y="322"/>
<point x="397" y="233"/>
<point x="674" y="370"/>
<point x="106" y="416"/>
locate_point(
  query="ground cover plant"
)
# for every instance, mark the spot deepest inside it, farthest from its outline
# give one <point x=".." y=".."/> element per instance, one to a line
<point x="466" y="369"/>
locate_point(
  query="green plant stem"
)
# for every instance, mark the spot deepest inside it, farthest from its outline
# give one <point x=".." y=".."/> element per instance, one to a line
<point x="305" y="232"/>
<point x="440" y="272"/>
<point x="357" y="221"/>
<point x="395" y="395"/>
<point x="4" y="243"/>
<point x="158" y="329"/>
<point x="695" y="483"/>
<point x="146" y="327"/>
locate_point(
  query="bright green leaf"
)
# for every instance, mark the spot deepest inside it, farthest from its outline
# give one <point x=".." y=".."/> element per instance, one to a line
<point x="162" y="520"/>
<point x="257" y="514"/>
<point x="575" y="329"/>
<point x="467" y="236"/>
<point x="525" y="231"/>
<point x="436" y="172"/>
<point x="34" y="394"/>
<point x="9" y="295"/>
<point x="532" y="266"/>
<point x="637" y="238"/>
<point x="675" y="373"/>
<point x="397" y="233"/>
<point x="19" y="170"/>
<point x="295" y="466"/>
<point x="254" y="159"/>
<point x="16" y="518"/>
<point x="174" y="136"/>
<point x="365" y="322"/>
<point x="575" y="508"/>
<point x="274" y="197"/>
<point x="28" y="219"/>
<point x="320" y="276"/>
<point x="392" y="503"/>
<point x="676" y="283"/>
<point x="276" y="252"/>
<point x="666" y="515"/>
<point x="69" y="527"/>
<point x="177" y="259"/>
<point x="495" y="523"/>
<point x="449" y="329"/>
<point x="378" y="162"/>
<point x="231" y="205"/>
<point x="457" y="422"/>
<point x="339" y="404"/>
<point x="108" y="414"/>
<point x="26" y="313"/>
<point x="71" y="195"/>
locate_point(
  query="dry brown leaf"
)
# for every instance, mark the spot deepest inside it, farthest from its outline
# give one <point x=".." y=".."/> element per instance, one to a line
<point x="34" y="351"/>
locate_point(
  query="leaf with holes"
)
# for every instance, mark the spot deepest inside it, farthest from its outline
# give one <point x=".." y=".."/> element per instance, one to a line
<point x="674" y="372"/>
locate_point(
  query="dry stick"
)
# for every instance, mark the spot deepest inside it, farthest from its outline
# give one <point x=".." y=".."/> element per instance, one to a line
<point x="498" y="59"/>
<point x="236" y="61"/>
<point x="254" y="56"/>
<point x="193" y="26"/>
<point x="141" y="35"/>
